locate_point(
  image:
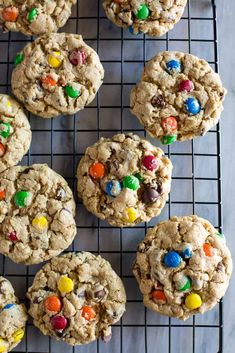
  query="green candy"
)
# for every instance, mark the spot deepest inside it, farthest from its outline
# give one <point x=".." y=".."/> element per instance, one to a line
<point x="18" y="59"/>
<point x="5" y="129"/>
<point x="32" y="15"/>
<point x="22" y="198"/>
<point x="183" y="284"/>
<point x="131" y="182"/>
<point x="71" y="92"/>
<point x="168" y="140"/>
<point x="139" y="177"/>
<point x="143" y="12"/>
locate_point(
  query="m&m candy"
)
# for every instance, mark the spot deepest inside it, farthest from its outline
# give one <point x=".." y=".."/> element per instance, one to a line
<point x="193" y="301"/>
<point x="192" y="106"/>
<point x="185" y="86"/>
<point x="18" y="59"/>
<point x="59" y="322"/>
<point x="48" y="81"/>
<point x="172" y="259"/>
<point x="208" y="249"/>
<point x="2" y="149"/>
<point x="32" y="15"/>
<point x="131" y="214"/>
<point x="71" y="92"/>
<point x="159" y="296"/>
<point x="8" y="306"/>
<point x="5" y="130"/>
<point x="18" y="335"/>
<point x="54" y="59"/>
<point x="88" y="313"/>
<point x="183" y="283"/>
<point x="143" y="12"/>
<point x="113" y="188"/>
<point x="22" y="198"/>
<point x="169" y="139"/>
<point x="2" y="195"/>
<point x="53" y="304"/>
<point x="158" y="101"/>
<point x="131" y="182"/>
<point x="150" y="162"/>
<point x="10" y="14"/>
<point x="174" y="66"/>
<point x="12" y="236"/>
<point x="186" y="251"/>
<point x="150" y="195"/>
<point x="65" y="284"/>
<point x="3" y="347"/>
<point x="40" y="223"/>
<point x="97" y="170"/>
<point x="77" y="57"/>
<point x="169" y="123"/>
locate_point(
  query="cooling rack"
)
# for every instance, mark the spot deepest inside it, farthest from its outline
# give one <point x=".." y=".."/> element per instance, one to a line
<point x="196" y="186"/>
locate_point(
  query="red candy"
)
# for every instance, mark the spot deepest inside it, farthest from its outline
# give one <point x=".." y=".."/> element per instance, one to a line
<point x="169" y="123"/>
<point x="208" y="249"/>
<point x="88" y="313"/>
<point x="77" y="57"/>
<point x="48" y="81"/>
<point x="97" y="170"/>
<point x="158" y="295"/>
<point x="2" y="195"/>
<point x="2" y="149"/>
<point x="12" y="236"/>
<point x="10" y="14"/>
<point x="59" y="322"/>
<point x="186" y="86"/>
<point x="150" y="162"/>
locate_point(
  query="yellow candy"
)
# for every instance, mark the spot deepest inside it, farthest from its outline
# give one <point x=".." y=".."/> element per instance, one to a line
<point x="9" y="105"/>
<point x="65" y="284"/>
<point x="54" y="60"/>
<point x="40" y="223"/>
<point x="193" y="301"/>
<point x="18" y="335"/>
<point x="2" y="347"/>
<point x="131" y="214"/>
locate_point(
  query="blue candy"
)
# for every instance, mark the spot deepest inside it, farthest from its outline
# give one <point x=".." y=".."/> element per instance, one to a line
<point x="8" y="306"/>
<point x="113" y="188"/>
<point x="172" y="259"/>
<point x="192" y="106"/>
<point x="173" y="66"/>
<point x="186" y="252"/>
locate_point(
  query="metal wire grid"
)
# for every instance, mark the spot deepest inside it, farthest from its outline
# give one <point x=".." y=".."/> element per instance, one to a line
<point x="139" y="331"/>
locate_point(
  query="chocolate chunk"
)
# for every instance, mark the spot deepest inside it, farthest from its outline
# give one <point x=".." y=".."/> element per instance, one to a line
<point x="158" y="101"/>
<point x="150" y="195"/>
<point x="100" y="294"/>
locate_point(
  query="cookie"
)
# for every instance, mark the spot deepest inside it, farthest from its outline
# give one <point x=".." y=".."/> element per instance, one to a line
<point x="13" y="317"/>
<point x="179" y="97"/>
<point x="34" y="17"/>
<point x="124" y="180"/>
<point x="76" y="298"/>
<point x="36" y="214"/>
<point x="183" y="267"/>
<point x="57" y="74"/>
<point x="15" y="133"/>
<point x="152" y="17"/>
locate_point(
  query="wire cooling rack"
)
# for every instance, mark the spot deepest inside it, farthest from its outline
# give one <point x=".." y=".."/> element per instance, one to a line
<point x="196" y="186"/>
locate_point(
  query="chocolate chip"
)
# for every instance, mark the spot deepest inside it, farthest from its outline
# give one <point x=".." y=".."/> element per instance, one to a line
<point x="150" y="195"/>
<point x="37" y="300"/>
<point x="106" y="339"/>
<point x="100" y="294"/>
<point x="220" y="267"/>
<point x="158" y="101"/>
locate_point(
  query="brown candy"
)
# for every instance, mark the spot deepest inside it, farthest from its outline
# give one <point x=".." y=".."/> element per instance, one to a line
<point x="150" y="195"/>
<point x="158" y="101"/>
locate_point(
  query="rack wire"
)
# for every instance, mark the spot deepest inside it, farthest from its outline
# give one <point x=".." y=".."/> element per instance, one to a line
<point x="196" y="186"/>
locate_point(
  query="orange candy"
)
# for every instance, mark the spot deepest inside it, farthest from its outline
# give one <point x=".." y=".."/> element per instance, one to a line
<point x="52" y="303"/>
<point x="208" y="249"/>
<point x="48" y="81"/>
<point x="159" y="295"/>
<point x="2" y="195"/>
<point x="169" y="123"/>
<point x="97" y="170"/>
<point x="2" y="149"/>
<point x="10" y="14"/>
<point x="88" y="313"/>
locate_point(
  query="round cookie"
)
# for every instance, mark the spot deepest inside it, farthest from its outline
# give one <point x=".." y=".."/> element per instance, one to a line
<point x="57" y="74"/>
<point x="76" y="298"/>
<point x="179" y="97"/>
<point x="152" y="17"/>
<point x="124" y="180"/>
<point x="36" y="214"/>
<point x="15" y="133"/>
<point x="34" y="17"/>
<point x="183" y="267"/>
<point x="13" y="317"/>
